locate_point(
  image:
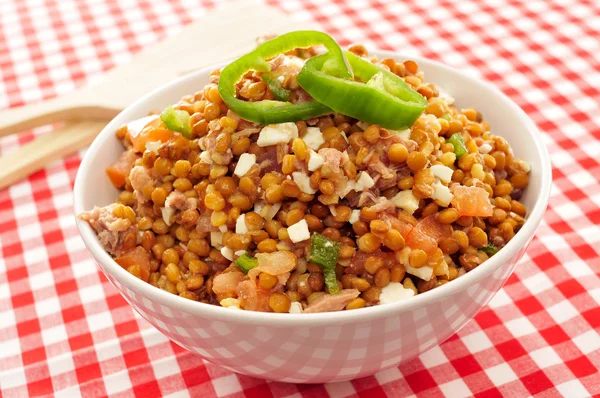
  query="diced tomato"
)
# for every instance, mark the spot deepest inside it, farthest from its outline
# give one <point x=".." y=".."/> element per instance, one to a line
<point x="472" y="201"/>
<point x="253" y="298"/>
<point x="138" y="256"/>
<point x="400" y="225"/>
<point x="121" y="168"/>
<point x="150" y="135"/>
<point x="154" y="131"/>
<point x="277" y="263"/>
<point x="427" y="233"/>
<point x="227" y="283"/>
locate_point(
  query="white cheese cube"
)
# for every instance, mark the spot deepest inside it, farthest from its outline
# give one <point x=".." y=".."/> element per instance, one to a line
<point x="315" y="161"/>
<point x="259" y="206"/>
<point x="274" y="134"/>
<point x="205" y="157"/>
<point x="239" y="253"/>
<point x="272" y="211"/>
<point x="313" y="138"/>
<point x="354" y="216"/>
<point x="424" y="273"/>
<point x="406" y="201"/>
<point x="444" y="173"/>
<point x="240" y="225"/>
<point x="303" y="182"/>
<point x="245" y="162"/>
<point x="216" y="239"/>
<point x="223" y="228"/>
<point x="485" y="148"/>
<point x="227" y="253"/>
<point x="230" y="302"/>
<point x="364" y="182"/>
<point x="393" y="292"/>
<point x="441" y="193"/>
<point x="295" y="308"/>
<point x="167" y="215"/>
<point x="299" y="231"/>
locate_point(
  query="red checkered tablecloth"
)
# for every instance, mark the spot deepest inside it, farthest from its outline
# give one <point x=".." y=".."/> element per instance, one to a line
<point x="65" y="330"/>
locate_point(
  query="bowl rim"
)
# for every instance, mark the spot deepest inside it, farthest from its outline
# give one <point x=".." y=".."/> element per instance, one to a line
<point x="326" y="318"/>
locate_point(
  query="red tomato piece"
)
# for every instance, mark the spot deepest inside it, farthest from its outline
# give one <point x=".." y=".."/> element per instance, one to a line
<point x="472" y="201"/>
<point x="138" y="256"/>
<point x="427" y="233"/>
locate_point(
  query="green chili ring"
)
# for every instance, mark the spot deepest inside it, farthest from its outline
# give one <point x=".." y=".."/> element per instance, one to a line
<point x="385" y="99"/>
<point x="270" y="112"/>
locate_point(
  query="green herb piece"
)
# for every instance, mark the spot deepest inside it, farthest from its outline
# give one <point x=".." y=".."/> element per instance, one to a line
<point x="457" y="141"/>
<point x="177" y="120"/>
<point x="489" y="249"/>
<point x="325" y="253"/>
<point x="246" y="262"/>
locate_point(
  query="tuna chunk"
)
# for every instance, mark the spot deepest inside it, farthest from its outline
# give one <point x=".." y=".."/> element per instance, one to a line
<point x="386" y="173"/>
<point x="382" y="204"/>
<point x="177" y="200"/>
<point x="333" y="158"/>
<point x="140" y="177"/>
<point x="330" y="302"/>
<point x="110" y="229"/>
<point x="332" y="169"/>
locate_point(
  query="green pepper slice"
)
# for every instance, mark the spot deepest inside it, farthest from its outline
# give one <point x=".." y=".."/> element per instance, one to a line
<point x="385" y="99"/>
<point x="325" y="253"/>
<point x="331" y="280"/>
<point x="246" y="262"/>
<point x="272" y="112"/>
<point x="457" y="141"/>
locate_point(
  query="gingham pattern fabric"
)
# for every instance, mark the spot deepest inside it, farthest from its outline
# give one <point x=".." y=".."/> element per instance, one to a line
<point x="65" y="330"/>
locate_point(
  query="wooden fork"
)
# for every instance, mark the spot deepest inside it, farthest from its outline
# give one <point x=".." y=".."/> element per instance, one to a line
<point x="86" y="111"/>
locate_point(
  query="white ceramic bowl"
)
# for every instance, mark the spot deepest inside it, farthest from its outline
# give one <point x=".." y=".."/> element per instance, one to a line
<point x="325" y="347"/>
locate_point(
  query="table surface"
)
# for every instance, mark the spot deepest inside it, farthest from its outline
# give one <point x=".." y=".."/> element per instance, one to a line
<point x="65" y="330"/>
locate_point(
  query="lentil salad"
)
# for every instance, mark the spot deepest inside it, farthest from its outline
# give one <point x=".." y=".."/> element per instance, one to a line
<point x="323" y="213"/>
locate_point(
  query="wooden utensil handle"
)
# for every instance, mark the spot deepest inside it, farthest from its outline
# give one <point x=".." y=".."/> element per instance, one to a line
<point x="69" y="107"/>
<point x="45" y="149"/>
